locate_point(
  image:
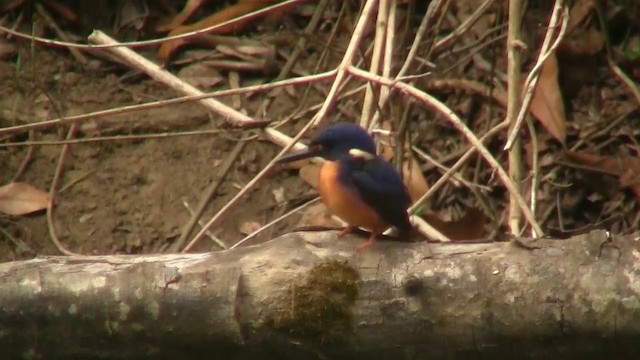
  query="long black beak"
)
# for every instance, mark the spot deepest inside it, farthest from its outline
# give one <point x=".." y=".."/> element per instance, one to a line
<point x="309" y="152"/>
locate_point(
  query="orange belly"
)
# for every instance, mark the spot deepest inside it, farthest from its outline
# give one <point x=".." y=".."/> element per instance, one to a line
<point x="346" y="204"/>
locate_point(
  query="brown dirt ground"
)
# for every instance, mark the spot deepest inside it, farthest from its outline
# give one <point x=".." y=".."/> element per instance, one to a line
<point x="127" y="196"/>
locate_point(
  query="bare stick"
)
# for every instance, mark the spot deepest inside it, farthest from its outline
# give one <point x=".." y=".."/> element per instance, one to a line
<point x="225" y="209"/>
<point x="235" y="117"/>
<point x="409" y="59"/>
<point x="376" y="58"/>
<point x="535" y="167"/>
<point x="456" y="178"/>
<point x="347" y="59"/>
<point x="387" y="60"/>
<point x="532" y="78"/>
<point x="425" y="228"/>
<point x="161" y="103"/>
<point x="464" y="27"/>
<point x="211" y="235"/>
<point x="633" y="87"/>
<point x="273" y="222"/>
<point x="28" y="157"/>
<point x="63" y="35"/>
<point x="52" y="193"/>
<point x="514" y="46"/>
<point x="443" y="179"/>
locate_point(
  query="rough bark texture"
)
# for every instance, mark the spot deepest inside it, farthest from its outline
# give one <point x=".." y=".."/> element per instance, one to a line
<point x="309" y="295"/>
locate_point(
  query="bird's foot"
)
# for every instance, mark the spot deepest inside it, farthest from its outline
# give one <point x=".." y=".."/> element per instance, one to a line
<point x="347" y="230"/>
<point x="367" y="243"/>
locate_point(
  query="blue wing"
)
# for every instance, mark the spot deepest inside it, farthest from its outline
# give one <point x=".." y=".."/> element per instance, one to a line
<point x="380" y="186"/>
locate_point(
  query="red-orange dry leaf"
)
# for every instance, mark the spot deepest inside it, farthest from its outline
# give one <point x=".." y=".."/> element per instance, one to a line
<point x="612" y="165"/>
<point x="579" y="12"/>
<point x="412" y="176"/>
<point x="546" y="104"/>
<point x="468" y="227"/>
<point x="243" y="7"/>
<point x="11" y="5"/>
<point x="189" y="8"/>
<point x="19" y="199"/>
<point x="584" y="43"/>
<point x="626" y="168"/>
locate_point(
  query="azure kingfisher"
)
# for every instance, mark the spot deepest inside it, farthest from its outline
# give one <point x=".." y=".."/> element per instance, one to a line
<point x="362" y="189"/>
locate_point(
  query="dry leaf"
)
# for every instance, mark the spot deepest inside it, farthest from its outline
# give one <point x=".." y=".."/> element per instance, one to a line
<point x="7" y="50"/>
<point x="243" y="7"/>
<point x="249" y="227"/>
<point x="578" y="13"/>
<point x="309" y="173"/>
<point x="468" y="227"/>
<point x="189" y="8"/>
<point x="200" y="75"/>
<point x="278" y="195"/>
<point x="318" y="215"/>
<point x="546" y="104"/>
<point x="626" y="168"/>
<point x="612" y="165"/>
<point x="19" y="199"/>
<point x="585" y="43"/>
<point x="132" y="15"/>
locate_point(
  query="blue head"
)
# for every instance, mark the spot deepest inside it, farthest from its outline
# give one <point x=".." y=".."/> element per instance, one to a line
<point x="334" y="143"/>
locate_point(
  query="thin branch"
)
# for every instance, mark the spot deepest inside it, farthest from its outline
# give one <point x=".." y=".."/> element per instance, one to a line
<point x="514" y="47"/>
<point x="61" y="34"/>
<point x="455" y="167"/>
<point x="464" y="27"/>
<point x="162" y="103"/>
<point x="545" y="52"/>
<point x="53" y="190"/>
<point x="376" y="59"/>
<point x="275" y="221"/>
<point x="408" y="61"/>
<point x="235" y="117"/>
<point x="211" y="235"/>
<point x="387" y="60"/>
<point x="347" y="59"/>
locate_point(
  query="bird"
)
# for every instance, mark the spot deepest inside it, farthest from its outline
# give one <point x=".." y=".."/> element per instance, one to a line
<point x="361" y="188"/>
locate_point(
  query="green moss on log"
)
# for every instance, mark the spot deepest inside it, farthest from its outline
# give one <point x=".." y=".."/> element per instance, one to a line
<point x="320" y="309"/>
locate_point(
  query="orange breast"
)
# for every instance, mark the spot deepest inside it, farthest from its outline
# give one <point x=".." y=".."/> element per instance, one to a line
<point x="345" y="203"/>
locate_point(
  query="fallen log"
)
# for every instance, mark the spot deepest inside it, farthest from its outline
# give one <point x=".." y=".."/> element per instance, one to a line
<point x="310" y="295"/>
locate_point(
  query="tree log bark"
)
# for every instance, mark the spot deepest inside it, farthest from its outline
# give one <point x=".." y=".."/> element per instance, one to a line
<point x="310" y="295"/>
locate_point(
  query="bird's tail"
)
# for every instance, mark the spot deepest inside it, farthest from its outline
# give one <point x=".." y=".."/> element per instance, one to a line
<point x="407" y="232"/>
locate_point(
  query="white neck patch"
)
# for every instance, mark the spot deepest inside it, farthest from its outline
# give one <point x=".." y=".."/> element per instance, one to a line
<point x="357" y="153"/>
